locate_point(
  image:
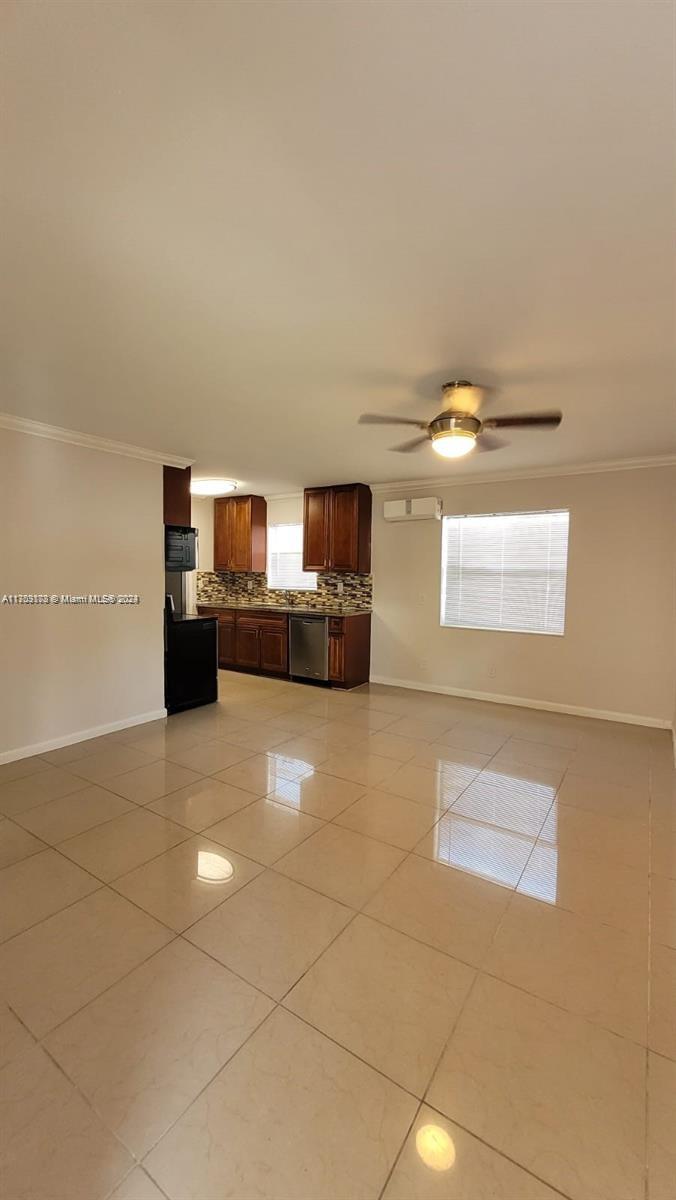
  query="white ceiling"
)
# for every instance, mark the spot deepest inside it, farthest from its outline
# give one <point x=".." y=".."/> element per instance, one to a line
<point x="230" y="228"/>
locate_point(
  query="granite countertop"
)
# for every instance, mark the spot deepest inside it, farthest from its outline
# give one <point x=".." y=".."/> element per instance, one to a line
<point x="293" y="610"/>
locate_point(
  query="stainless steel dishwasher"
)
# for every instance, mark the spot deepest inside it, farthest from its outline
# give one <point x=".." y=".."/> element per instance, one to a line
<point x="309" y="647"/>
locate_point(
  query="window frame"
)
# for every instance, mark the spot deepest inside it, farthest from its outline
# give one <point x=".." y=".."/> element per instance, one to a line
<point x="279" y="587"/>
<point x="498" y="628"/>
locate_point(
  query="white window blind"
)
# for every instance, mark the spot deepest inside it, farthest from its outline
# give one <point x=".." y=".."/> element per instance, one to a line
<point x="285" y="559"/>
<point x="505" y="571"/>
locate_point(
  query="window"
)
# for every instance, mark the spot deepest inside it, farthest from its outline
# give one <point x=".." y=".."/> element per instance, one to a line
<point x="285" y="560"/>
<point x="505" y="571"/>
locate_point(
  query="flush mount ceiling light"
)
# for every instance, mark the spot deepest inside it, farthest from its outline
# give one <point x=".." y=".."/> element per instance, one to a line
<point x="212" y="487"/>
<point x="456" y="430"/>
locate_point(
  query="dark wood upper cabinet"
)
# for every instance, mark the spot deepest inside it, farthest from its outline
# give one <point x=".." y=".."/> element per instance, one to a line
<point x="316" y="528"/>
<point x="240" y="533"/>
<point x="337" y="528"/>
<point x="176" y="495"/>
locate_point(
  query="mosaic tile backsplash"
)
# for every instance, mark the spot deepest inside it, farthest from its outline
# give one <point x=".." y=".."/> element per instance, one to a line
<point x="229" y="587"/>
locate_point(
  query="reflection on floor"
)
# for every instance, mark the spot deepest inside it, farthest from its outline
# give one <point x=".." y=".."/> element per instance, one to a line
<point x="319" y="946"/>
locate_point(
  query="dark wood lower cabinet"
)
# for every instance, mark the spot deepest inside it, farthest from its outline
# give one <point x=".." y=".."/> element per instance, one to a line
<point x="274" y="650"/>
<point x="349" y="650"/>
<point x="226" y="641"/>
<point x="336" y="657"/>
<point x="259" y="641"/>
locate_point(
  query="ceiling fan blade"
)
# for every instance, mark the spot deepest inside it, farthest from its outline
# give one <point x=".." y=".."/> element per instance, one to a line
<point x="526" y="420"/>
<point x="487" y="441"/>
<point x="410" y="447"/>
<point x="378" y="419"/>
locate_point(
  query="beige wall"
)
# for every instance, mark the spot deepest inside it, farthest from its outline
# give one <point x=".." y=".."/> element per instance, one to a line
<point x="617" y="652"/>
<point x="78" y="521"/>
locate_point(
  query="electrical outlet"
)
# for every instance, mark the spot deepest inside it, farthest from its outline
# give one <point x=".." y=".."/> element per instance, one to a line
<point x="340" y="587"/>
<point x="249" y="585"/>
<point x="491" y="671"/>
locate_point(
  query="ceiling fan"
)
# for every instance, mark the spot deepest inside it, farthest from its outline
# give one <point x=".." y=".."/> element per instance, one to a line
<point x="455" y="431"/>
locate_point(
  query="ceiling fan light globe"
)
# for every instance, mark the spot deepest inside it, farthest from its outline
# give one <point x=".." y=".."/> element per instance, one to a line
<point x="453" y="443"/>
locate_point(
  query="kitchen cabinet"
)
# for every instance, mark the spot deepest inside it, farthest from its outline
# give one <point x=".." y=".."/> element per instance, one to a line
<point x="226" y="632"/>
<point x="176" y="495"/>
<point x="247" y="645"/>
<point x="337" y="528"/>
<point x="240" y="533"/>
<point x="251" y="640"/>
<point x="349" y="649"/>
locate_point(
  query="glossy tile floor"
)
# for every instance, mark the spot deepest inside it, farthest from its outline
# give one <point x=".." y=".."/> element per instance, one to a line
<point x="318" y="946"/>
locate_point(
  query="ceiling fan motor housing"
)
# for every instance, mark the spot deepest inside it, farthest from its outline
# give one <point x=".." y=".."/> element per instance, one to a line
<point x="450" y="423"/>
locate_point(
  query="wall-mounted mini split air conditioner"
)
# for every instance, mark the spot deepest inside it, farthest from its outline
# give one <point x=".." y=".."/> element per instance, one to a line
<point x="425" y="508"/>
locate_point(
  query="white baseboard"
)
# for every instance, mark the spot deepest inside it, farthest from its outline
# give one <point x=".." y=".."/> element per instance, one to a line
<point x="69" y="739"/>
<point x="597" y="714"/>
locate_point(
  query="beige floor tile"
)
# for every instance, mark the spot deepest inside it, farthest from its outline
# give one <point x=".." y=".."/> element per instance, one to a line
<point x="36" y="887"/>
<point x="479" y="849"/>
<point x="210" y="757"/>
<point x="78" y="750"/>
<point x="338" y="735"/>
<point x="441" y="1161"/>
<point x="70" y="815"/>
<point x="594" y="970"/>
<point x="264" y="831"/>
<point x="185" y="884"/>
<point x="390" y="819"/>
<point x="388" y="999"/>
<point x="14" y="1037"/>
<point x="144" y="1050"/>
<point x="607" y="799"/>
<point x="259" y="739"/>
<point x="473" y="737"/>
<point x="21" y="794"/>
<point x="663" y="850"/>
<point x="21" y="768"/>
<point x="16" y="844"/>
<point x="202" y="803"/>
<point x="341" y="864"/>
<point x="662" y="1028"/>
<point x="320" y="795"/>
<point x="450" y="910"/>
<point x="359" y="766"/>
<point x="117" y="847"/>
<point x="97" y="768"/>
<point x="422" y="729"/>
<point x="137" y="1186"/>
<point x="271" y="932"/>
<point x="54" y="1146"/>
<point x="365" y="717"/>
<point x="305" y="752"/>
<point x="437" y="756"/>
<point x="161" y="745"/>
<point x="261" y="773"/>
<point x="145" y="784"/>
<point x="332" y="1126"/>
<point x="552" y="1091"/>
<point x="297" y="723"/>
<point x="519" y="805"/>
<point x="612" y="768"/>
<point x="661" y="1126"/>
<point x="575" y="829"/>
<point x="53" y="969"/>
<point x="393" y="745"/>
<point x="426" y="786"/>
<point x="662" y="909"/>
<point x="537" y="754"/>
<point x="588" y="885"/>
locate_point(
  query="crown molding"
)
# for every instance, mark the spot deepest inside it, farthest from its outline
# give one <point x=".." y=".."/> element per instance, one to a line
<point x="90" y="441"/>
<point x="592" y="468"/>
